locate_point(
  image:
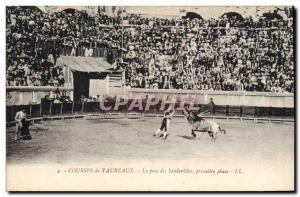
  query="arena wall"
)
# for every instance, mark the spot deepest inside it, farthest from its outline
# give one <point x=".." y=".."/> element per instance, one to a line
<point x="206" y="12"/>
<point x="28" y="95"/>
<point x="24" y="95"/>
<point x="232" y="98"/>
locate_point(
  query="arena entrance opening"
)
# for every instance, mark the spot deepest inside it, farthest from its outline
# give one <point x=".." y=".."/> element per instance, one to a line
<point x="233" y="15"/>
<point x="87" y="84"/>
<point x="82" y="73"/>
<point x="193" y="15"/>
<point x="71" y="11"/>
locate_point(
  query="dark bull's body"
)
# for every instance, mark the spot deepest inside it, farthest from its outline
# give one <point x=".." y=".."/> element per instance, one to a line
<point x="201" y="125"/>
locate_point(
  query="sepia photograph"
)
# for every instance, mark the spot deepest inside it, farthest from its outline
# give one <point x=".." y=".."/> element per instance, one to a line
<point x="150" y="98"/>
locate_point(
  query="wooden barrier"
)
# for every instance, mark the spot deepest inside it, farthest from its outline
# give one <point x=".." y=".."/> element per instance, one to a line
<point x="78" y="110"/>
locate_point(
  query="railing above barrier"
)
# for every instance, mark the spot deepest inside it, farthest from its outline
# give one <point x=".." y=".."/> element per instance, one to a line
<point x="37" y="88"/>
<point x="233" y="98"/>
<point x="210" y="92"/>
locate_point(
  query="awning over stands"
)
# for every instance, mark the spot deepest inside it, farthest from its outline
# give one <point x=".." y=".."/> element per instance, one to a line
<point x="84" y="64"/>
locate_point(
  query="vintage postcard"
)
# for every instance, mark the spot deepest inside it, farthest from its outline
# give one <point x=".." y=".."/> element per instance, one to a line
<point x="150" y="98"/>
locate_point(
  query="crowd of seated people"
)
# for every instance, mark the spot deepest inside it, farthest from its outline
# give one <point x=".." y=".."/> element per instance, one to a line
<point x="230" y="53"/>
<point x="35" y="40"/>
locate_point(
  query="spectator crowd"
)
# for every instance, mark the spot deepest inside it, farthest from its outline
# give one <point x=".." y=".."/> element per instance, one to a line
<point x="231" y="53"/>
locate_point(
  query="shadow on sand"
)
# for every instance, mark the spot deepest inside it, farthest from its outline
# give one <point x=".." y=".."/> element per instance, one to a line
<point x="186" y="137"/>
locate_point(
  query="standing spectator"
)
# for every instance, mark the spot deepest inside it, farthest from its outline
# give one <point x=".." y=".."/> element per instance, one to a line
<point x="211" y="107"/>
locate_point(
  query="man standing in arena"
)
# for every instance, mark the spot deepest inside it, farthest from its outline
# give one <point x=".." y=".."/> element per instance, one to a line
<point x="211" y="106"/>
<point x="20" y="116"/>
<point x="168" y="114"/>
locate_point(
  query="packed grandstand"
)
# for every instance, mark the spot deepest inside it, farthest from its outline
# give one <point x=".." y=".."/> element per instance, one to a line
<point x="231" y="53"/>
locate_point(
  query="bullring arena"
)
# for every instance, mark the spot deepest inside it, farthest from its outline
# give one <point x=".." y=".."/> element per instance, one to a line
<point x="96" y="139"/>
<point x="62" y="149"/>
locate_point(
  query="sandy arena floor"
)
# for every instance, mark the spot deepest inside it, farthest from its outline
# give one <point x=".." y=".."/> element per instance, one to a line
<point x="65" y="141"/>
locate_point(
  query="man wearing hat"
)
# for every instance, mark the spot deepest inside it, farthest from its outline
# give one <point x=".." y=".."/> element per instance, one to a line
<point x="212" y="106"/>
<point x="168" y="114"/>
<point x="19" y="118"/>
